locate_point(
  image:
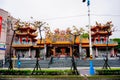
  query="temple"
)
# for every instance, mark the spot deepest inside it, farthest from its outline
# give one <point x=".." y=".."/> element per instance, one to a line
<point x="100" y="40"/>
<point x="63" y="43"/>
<point x="25" y="42"/>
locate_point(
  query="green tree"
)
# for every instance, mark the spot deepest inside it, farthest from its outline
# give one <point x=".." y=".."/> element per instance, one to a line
<point x="85" y="35"/>
<point x="118" y="46"/>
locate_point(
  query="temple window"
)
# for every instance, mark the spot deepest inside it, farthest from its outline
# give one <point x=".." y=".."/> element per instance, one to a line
<point x="101" y="40"/>
<point x="24" y="41"/>
<point x="96" y="40"/>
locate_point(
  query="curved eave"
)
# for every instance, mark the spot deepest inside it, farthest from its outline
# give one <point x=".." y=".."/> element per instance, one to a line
<point x="22" y="28"/>
<point x="34" y="40"/>
<point x="21" y="34"/>
<point x="21" y="46"/>
<point x="48" y="43"/>
<point x="42" y="42"/>
<point x="32" y="29"/>
<point x="77" y="43"/>
<point x="87" y="45"/>
<point x="41" y="46"/>
<point x="26" y="28"/>
<point x="101" y="33"/>
<point x="94" y="28"/>
<point x="62" y="43"/>
<point x="105" y="27"/>
<point x="33" y="35"/>
<point x="86" y="41"/>
<point x="104" y="45"/>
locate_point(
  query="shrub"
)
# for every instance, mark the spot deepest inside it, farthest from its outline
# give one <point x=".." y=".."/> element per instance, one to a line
<point x="15" y="72"/>
<point x="108" y="72"/>
<point x="37" y="72"/>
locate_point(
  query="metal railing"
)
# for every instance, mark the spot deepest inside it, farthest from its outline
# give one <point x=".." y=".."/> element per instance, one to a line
<point x="104" y="42"/>
<point x="22" y="43"/>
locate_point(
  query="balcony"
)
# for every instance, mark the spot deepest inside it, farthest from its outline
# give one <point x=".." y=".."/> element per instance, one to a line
<point x="103" y="43"/>
<point x="23" y="44"/>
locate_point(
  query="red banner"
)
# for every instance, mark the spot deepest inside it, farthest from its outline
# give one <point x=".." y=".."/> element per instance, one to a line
<point x="0" y="25"/>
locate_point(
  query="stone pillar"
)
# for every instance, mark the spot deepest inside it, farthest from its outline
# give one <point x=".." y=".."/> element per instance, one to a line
<point x="96" y="52"/>
<point x="70" y="50"/>
<point x="80" y="49"/>
<point x="45" y="51"/>
<point x="29" y="53"/>
<point x="54" y="51"/>
<point x="14" y="55"/>
<point x="112" y="52"/>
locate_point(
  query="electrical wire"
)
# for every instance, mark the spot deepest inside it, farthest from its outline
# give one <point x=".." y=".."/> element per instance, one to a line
<point x="66" y="17"/>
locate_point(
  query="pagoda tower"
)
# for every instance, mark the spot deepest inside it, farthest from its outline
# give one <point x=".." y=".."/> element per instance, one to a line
<point x="100" y="40"/>
<point x="25" y="41"/>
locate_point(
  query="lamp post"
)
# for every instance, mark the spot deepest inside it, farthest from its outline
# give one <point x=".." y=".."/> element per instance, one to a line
<point x="10" y="24"/>
<point x="38" y="24"/>
<point x="89" y="26"/>
<point x="90" y="43"/>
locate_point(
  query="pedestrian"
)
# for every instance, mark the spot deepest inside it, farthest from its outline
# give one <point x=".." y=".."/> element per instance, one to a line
<point x="19" y="63"/>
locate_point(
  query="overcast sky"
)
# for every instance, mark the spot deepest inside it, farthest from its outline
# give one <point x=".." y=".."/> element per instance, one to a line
<point x="65" y="13"/>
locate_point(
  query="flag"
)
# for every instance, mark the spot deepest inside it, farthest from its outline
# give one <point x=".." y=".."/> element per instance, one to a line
<point x="0" y="25"/>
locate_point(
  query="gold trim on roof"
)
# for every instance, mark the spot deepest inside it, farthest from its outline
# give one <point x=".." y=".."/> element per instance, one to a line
<point x="21" y="45"/>
<point x="104" y="45"/>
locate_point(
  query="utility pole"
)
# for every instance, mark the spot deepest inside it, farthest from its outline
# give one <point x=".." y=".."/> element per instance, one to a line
<point x="90" y="42"/>
<point x="89" y="26"/>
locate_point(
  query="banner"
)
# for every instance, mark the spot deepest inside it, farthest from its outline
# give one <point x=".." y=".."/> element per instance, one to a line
<point x="0" y="25"/>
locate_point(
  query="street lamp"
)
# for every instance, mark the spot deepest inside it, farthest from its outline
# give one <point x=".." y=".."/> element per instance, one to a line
<point x="10" y="24"/>
<point x="90" y="43"/>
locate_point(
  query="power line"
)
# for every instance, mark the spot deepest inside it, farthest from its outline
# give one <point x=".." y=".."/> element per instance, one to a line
<point x="110" y="15"/>
<point x="106" y="15"/>
<point x="64" y="17"/>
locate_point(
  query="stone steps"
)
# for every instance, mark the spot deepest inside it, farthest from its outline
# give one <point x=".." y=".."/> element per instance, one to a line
<point x="64" y="62"/>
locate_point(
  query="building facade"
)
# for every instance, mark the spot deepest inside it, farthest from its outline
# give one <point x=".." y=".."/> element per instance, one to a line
<point x="25" y="41"/>
<point x="6" y="33"/>
<point x="102" y="45"/>
<point x="61" y="43"/>
<point x="3" y="32"/>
